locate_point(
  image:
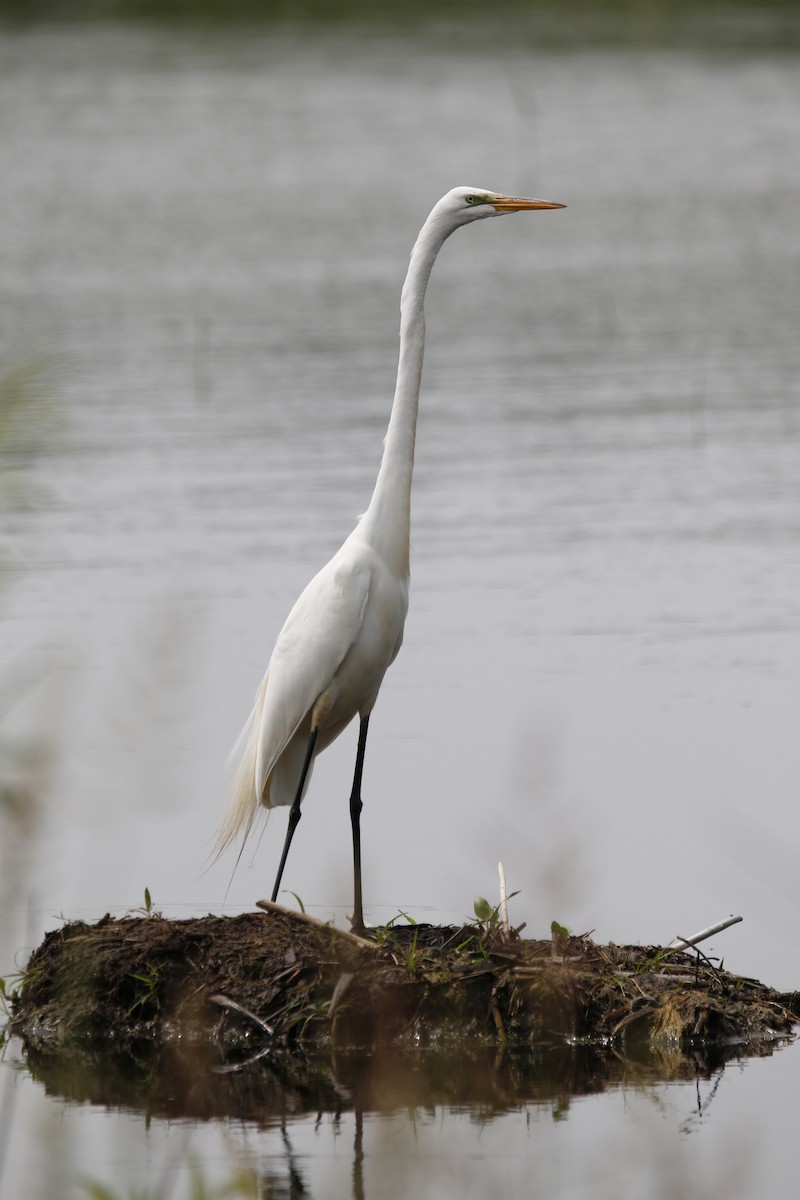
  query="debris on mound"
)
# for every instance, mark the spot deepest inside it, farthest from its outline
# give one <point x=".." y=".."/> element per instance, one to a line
<point x="243" y="986"/>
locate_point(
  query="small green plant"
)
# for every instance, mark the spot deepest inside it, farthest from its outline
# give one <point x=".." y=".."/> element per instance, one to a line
<point x="309" y="1012"/>
<point x="148" y="979"/>
<point x="488" y="915"/>
<point x="412" y="954"/>
<point x="148" y="909"/>
<point x="5" y="999"/>
<point x="652" y="964"/>
<point x="11" y="985"/>
<point x="405" y="916"/>
<point x="384" y="935"/>
<point x="300" y="904"/>
<point x="560" y="935"/>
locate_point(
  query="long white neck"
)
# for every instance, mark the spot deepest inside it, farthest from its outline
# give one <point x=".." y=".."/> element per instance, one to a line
<point x="386" y="524"/>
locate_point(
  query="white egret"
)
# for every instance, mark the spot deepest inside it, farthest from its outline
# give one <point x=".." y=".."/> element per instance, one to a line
<point x="347" y="627"/>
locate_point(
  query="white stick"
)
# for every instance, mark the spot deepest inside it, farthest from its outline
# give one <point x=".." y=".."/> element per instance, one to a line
<point x="270" y="907"/>
<point x="503" y="899"/>
<point x="685" y="943"/>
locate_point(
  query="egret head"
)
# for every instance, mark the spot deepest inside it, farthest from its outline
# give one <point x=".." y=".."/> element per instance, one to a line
<point x="465" y="204"/>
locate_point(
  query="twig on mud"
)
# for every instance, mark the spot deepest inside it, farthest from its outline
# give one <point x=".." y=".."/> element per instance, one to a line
<point x="270" y="907"/>
<point x="339" y="992"/>
<point x="634" y="1015"/>
<point x="246" y="1062"/>
<point x="226" y="1002"/>
<point x="686" y="943"/>
<point x="498" y="1021"/>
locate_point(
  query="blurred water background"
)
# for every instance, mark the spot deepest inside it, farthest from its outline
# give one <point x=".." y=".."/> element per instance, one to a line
<point x="204" y="227"/>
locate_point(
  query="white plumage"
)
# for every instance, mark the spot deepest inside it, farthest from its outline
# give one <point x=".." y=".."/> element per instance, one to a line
<point x="347" y="626"/>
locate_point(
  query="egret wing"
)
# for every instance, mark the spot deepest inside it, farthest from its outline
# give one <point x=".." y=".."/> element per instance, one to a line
<point x="319" y="632"/>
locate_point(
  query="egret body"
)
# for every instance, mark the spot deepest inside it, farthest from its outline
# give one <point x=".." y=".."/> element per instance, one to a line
<point x="347" y="626"/>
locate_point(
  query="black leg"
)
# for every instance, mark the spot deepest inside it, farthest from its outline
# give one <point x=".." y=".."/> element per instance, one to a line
<point x="294" y="812"/>
<point x="355" y="817"/>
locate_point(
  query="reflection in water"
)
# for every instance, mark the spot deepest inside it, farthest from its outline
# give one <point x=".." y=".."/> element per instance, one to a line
<point x="181" y="1081"/>
<point x="296" y="1187"/>
<point x="703" y="1104"/>
<point x="353" y="1101"/>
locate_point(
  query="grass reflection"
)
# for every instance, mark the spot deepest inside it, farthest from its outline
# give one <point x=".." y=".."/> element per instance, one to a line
<point x="26" y="755"/>
<point x="242" y="1183"/>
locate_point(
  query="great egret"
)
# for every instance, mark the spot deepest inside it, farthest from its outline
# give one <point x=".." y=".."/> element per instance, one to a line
<point x="347" y="627"/>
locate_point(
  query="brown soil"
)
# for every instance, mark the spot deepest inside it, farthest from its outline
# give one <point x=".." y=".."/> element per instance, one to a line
<point x="219" y="982"/>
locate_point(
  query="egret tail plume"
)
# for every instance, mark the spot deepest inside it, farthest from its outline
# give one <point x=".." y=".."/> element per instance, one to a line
<point x="243" y="802"/>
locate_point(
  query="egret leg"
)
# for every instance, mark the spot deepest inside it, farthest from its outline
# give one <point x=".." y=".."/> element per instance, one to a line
<point x="294" y="811"/>
<point x="356" y="805"/>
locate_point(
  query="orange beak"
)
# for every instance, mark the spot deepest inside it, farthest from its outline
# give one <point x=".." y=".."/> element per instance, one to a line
<point x="509" y="204"/>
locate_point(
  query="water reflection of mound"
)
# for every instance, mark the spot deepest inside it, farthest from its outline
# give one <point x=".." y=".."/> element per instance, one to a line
<point x="179" y="1082"/>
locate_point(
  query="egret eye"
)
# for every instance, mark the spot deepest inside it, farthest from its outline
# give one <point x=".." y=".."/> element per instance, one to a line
<point x="473" y="199"/>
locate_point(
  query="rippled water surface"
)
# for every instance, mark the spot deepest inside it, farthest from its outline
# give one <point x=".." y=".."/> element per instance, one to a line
<point x="202" y="242"/>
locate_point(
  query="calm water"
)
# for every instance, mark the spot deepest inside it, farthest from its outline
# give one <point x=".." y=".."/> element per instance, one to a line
<point x="201" y="249"/>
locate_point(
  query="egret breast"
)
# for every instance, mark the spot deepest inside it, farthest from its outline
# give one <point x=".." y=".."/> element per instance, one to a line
<point x="355" y="686"/>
